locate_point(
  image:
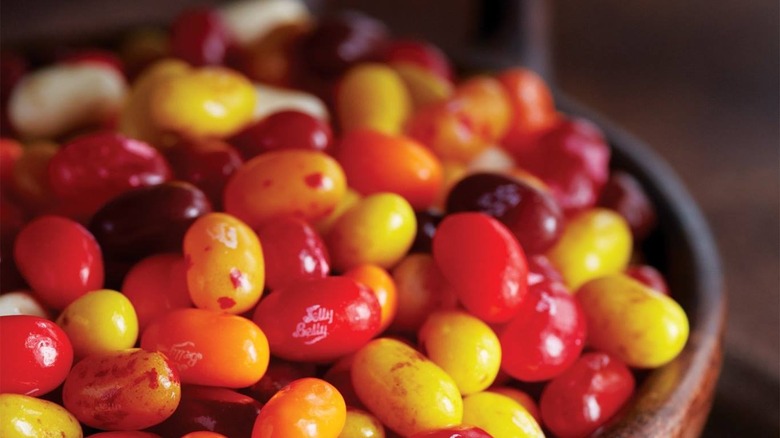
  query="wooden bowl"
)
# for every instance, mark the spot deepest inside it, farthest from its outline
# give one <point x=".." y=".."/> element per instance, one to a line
<point x="674" y="400"/>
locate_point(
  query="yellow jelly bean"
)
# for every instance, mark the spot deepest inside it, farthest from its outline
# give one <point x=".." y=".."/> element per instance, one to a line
<point x="100" y="321"/>
<point x="372" y="96"/>
<point x="425" y="87"/>
<point x="420" y="289"/>
<point x="642" y="327"/>
<point x="24" y="416"/>
<point x="500" y="416"/>
<point x="361" y="424"/>
<point x="407" y="392"/>
<point x="594" y="243"/>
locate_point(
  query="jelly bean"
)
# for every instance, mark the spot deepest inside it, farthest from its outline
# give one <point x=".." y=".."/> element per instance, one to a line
<point x="372" y="96"/>
<point x="492" y="159"/>
<point x="272" y="99"/>
<point x="60" y="260"/>
<point x="377" y="162"/>
<point x="427" y="221"/>
<point x="361" y="424"/>
<point x="424" y="87"/>
<point x="250" y="21"/>
<point x="293" y="252"/>
<point x="93" y="168"/>
<point x="10" y="152"/>
<point x="125" y="434"/>
<point x="454" y="432"/>
<point x="25" y="416"/>
<point x="382" y="285"/>
<point x="405" y="391"/>
<point x="541" y="269"/>
<point x="203" y="434"/>
<point x="500" y="416"/>
<point x="449" y="134"/>
<point x="421" y="290"/>
<point x="30" y="179"/>
<point x="63" y="97"/>
<point x="486" y="105"/>
<point x="324" y="225"/>
<point x="219" y="410"/>
<point x="521" y="397"/>
<point x="139" y="48"/>
<point x="207" y="164"/>
<point x="531" y="215"/>
<point x="484" y="263"/>
<point x="319" y="320"/>
<point x="269" y="59"/>
<point x="649" y="276"/>
<point x="289" y="129"/>
<point x="37" y="355"/>
<point x="546" y="336"/>
<point x="624" y="194"/>
<point x="418" y="53"/>
<point x="306" y="408"/>
<point x="641" y="327"/>
<point x="204" y="102"/>
<point x="100" y="321"/>
<point x="586" y="396"/>
<point x="594" y="243"/>
<point x="210" y="348"/>
<point x="199" y="37"/>
<point x="533" y="107"/>
<point x="122" y="390"/>
<point x="157" y="285"/>
<point x="21" y="303"/>
<point x="148" y="220"/>
<point x="225" y="267"/>
<point x="464" y="347"/>
<point x="280" y="373"/>
<point x="302" y="183"/>
<point x="378" y="229"/>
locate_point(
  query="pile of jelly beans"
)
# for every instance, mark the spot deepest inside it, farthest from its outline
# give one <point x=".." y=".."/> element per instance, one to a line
<point x="252" y="223"/>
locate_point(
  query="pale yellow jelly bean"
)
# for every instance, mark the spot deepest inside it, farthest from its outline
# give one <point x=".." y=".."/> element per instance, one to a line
<point x="407" y="392"/>
<point x="21" y="303"/>
<point x="250" y="20"/>
<point x="642" y="327"/>
<point x="100" y="321"/>
<point x="464" y="347"/>
<point x="272" y="99"/>
<point x="204" y="102"/>
<point x="500" y="416"/>
<point x="378" y="229"/>
<point x="361" y="424"/>
<point x="22" y="416"/>
<point x="372" y="96"/>
<point x="594" y="243"/>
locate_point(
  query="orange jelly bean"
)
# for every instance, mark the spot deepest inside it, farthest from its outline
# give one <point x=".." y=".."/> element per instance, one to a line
<point x="533" y="107"/>
<point x="302" y="183"/>
<point x="210" y="348"/>
<point x="382" y="285"/>
<point x="226" y="270"/>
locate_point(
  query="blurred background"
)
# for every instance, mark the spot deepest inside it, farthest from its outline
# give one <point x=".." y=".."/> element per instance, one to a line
<point x="697" y="81"/>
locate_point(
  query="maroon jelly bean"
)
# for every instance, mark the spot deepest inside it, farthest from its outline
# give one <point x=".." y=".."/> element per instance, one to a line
<point x="624" y="194"/>
<point x="199" y="37"/>
<point x="287" y="129"/>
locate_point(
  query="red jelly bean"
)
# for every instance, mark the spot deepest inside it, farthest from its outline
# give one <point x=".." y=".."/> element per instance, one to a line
<point x="287" y="129"/>
<point x="59" y="259"/>
<point x="483" y="262"/>
<point x="199" y="37"/>
<point x="37" y="355"/>
<point x="421" y="54"/>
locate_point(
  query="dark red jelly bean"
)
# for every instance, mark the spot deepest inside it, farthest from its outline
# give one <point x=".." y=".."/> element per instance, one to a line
<point x="421" y="54"/>
<point x="649" y="276"/>
<point x="586" y="396"/>
<point x="624" y="194"/>
<point x="454" y="432"/>
<point x="93" y="168"/>
<point x="219" y="410"/>
<point x="207" y="164"/>
<point x="534" y="217"/>
<point x="148" y="220"/>
<point x="287" y="129"/>
<point x="279" y="374"/>
<point x="427" y="221"/>
<point x="199" y="37"/>
<point x="293" y="252"/>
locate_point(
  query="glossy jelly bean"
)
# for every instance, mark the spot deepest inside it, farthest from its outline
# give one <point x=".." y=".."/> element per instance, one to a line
<point x="37" y="355"/>
<point x="148" y="220"/>
<point x="541" y="269"/>
<point x="594" y="243"/>
<point x="225" y="267"/>
<point x="378" y="229"/>
<point x="418" y="53"/>
<point x="500" y="416"/>
<point x="361" y="424"/>
<point x="60" y="260"/>
<point x="25" y="416"/>
<point x="649" y="276"/>
<point x="403" y="389"/>
<point x="586" y="396"/>
<point x="424" y="87"/>
<point x="218" y="410"/>
<point x="306" y="408"/>
<point x="546" y="335"/>
<point x="157" y="285"/>
<point x="100" y="321"/>
<point x="319" y="320"/>
<point x="324" y="225"/>
<point x="287" y="129"/>
<point x="204" y="102"/>
<point x="533" y="107"/>
<point x="377" y="162"/>
<point x="521" y="397"/>
<point x="421" y="289"/>
<point x="210" y="348"/>
<point x="272" y="99"/>
<point x="301" y="183"/>
<point x="21" y="303"/>
<point x="531" y="215"/>
<point x="122" y="390"/>
<point x="93" y="168"/>
<point x="293" y="252"/>
<point x="624" y="194"/>
<point x="638" y="325"/>
<point x="486" y="105"/>
<point x="454" y="432"/>
<point x="382" y="285"/>
<point x="464" y="347"/>
<point x="199" y="37"/>
<point x="484" y="263"/>
<point x="372" y="96"/>
<point x="125" y="434"/>
<point x="280" y="373"/>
